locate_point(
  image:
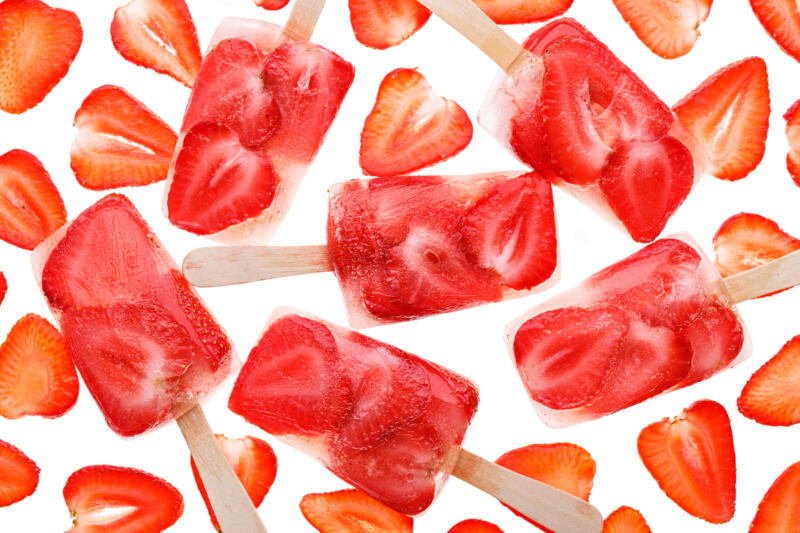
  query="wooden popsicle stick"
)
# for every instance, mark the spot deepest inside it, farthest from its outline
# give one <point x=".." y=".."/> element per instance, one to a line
<point x="468" y="19"/>
<point x="218" y="266"/>
<point x="555" y="509"/>
<point x="774" y="276"/>
<point x="303" y="19"/>
<point x="232" y="506"/>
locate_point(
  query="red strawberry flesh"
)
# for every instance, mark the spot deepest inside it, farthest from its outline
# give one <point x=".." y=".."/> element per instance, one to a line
<point x="20" y="475"/>
<point x="382" y="24"/>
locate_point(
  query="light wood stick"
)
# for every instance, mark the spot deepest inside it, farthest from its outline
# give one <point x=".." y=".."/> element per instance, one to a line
<point x="468" y="19"/>
<point x="303" y="19"/>
<point x="555" y="509"/>
<point x="232" y="506"/>
<point x="765" y="279"/>
<point x="230" y="265"/>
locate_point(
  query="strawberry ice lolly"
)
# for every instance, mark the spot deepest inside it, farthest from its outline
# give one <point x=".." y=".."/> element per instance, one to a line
<point x="406" y="247"/>
<point x="259" y="111"/>
<point x="386" y="421"/>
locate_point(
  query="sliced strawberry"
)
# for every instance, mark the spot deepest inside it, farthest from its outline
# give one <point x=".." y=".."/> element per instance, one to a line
<point x="564" y="465"/>
<point x="747" y="240"/>
<point x="779" y="511"/>
<point x="254" y="463"/>
<point x="625" y="520"/>
<point x="781" y="20"/>
<point x="384" y="23"/>
<point x="31" y="207"/>
<point x="3" y="287"/>
<point x="410" y="127"/>
<point x="792" y="118"/>
<point x="354" y="512"/>
<point x="473" y="525"/>
<point x="271" y="5"/>
<point x="158" y="34"/>
<point x="729" y="114"/>
<point x="523" y="11"/>
<point x="512" y="230"/>
<point x="218" y="182"/>
<point x="106" y="499"/>
<point x="644" y="183"/>
<point x="564" y="355"/>
<point x="669" y="29"/>
<point x="771" y="397"/>
<point x="20" y="475"/>
<point x="715" y="338"/>
<point x="586" y="114"/>
<point x="37" y="376"/>
<point x="291" y="382"/>
<point x="692" y="459"/>
<point x="37" y="46"/>
<point x="120" y="142"/>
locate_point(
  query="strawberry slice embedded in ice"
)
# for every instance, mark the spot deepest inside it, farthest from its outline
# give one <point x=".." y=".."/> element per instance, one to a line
<point x="512" y="230"/>
<point x="564" y="355"/>
<point x="218" y="182"/>
<point x="716" y="337"/>
<point x="550" y="33"/>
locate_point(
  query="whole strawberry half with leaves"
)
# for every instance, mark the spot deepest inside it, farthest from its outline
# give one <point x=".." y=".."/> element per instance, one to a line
<point x="19" y="475"/>
<point x="354" y="512"/>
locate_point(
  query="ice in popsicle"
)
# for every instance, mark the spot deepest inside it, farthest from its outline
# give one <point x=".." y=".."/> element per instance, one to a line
<point x="141" y="338"/>
<point x="656" y="321"/>
<point x="409" y="246"/>
<point x="258" y="113"/>
<point x="581" y="118"/>
<point x="385" y="421"/>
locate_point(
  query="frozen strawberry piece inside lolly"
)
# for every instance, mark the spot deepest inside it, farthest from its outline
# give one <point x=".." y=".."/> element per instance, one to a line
<point x="405" y="247"/>
<point x="656" y="321"/>
<point x="142" y="339"/>
<point x="386" y="421"/>
<point x="261" y="105"/>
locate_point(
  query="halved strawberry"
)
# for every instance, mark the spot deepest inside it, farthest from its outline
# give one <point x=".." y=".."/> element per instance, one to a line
<point x="158" y="34"/>
<point x="291" y="382"/>
<point x="410" y="127"/>
<point x="523" y="11"/>
<point x="792" y="117"/>
<point x="563" y="465"/>
<point x="781" y="20"/>
<point x="37" y="46"/>
<point x="625" y="520"/>
<point x="30" y="207"/>
<point x="271" y="5"/>
<point x="747" y="240"/>
<point x="564" y="355"/>
<point x="217" y="181"/>
<point x="715" y="338"/>
<point x="19" y="473"/>
<point x="729" y="114"/>
<point x="106" y="499"/>
<point x="473" y="525"/>
<point x="354" y="512"/>
<point x="512" y="230"/>
<point x="254" y="463"/>
<point x="644" y="183"/>
<point x="693" y="460"/>
<point x="384" y="23"/>
<point x="37" y="376"/>
<point x="3" y="287"/>
<point x="120" y="142"/>
<point x="668" y="28"/>
<point x="779" y="511"/>
<point x="771" y="396"/>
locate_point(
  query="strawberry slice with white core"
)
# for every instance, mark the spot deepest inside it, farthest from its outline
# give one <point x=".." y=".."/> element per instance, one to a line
<point x="114" y="499"/>
<point x="781" y="20"/>
<point x="792" y="118"/>
<point x="217" y="181"/>
<point x="625" y="520"/>
<point x="271" y="5"/>
<point x="352" y="511"/>
<point x="31" y="207"/>
<point x="523" y="11"/>
<point x="771" y="396"/>
<point x="729" y="114"/>
<point x="564" y="355"/>
<point x="779" y="511"/>
<point x="37" y="46"/>
<point x="669" y="28"/>
<point x="474" y="525"/>
<point x="715" y="338"/>
<point x="158" y="34"/>
<point x="120" y="142"/>
<point x="19" y="473"/>
<point x="385" y="23"/>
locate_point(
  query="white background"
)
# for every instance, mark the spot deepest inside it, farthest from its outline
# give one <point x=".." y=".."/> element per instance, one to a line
<point x="469" y="342"/>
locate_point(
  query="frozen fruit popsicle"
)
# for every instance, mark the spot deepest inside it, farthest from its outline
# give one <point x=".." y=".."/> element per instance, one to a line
<point x="406" y="247"/>
<point x="144" y="342"/>
<point x="659" y="320"/>
<point x="386" y="421"/>
<point x="260" y="108"/>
